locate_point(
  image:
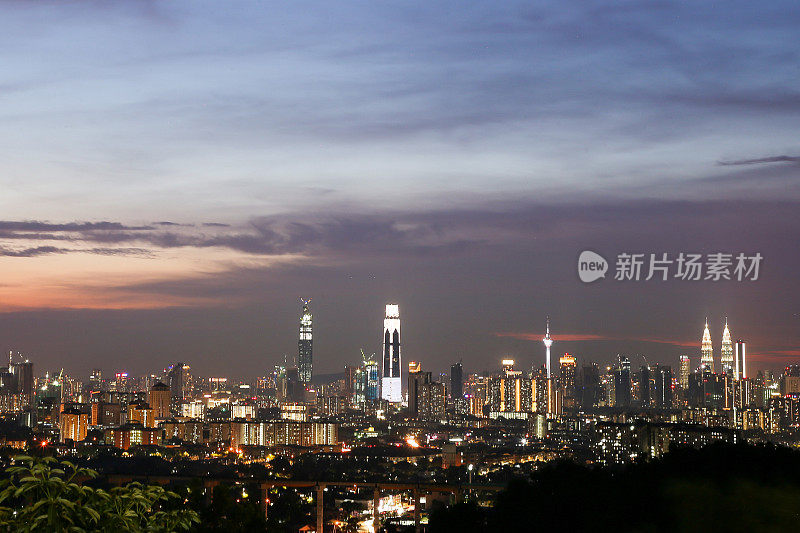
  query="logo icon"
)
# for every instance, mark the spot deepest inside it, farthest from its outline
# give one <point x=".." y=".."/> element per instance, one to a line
<point x="591" y="266"/>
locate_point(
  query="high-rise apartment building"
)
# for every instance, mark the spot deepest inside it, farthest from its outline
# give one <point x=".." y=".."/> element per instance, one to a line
<point x="509" y="392"/>
<point x="142" y="413"/>
<point x="567" y="366"/>
<point x="476" y="392"/>
<point x="96" y="379"/>
<point x="426" y="397"/>
<point x="178" y="379"/>
<point x="350" y="380"/>
<point x="645" y="387"/>
<point x="790" y="381"/>
<point x="590" y="388"/>
<point x="457" y="381"/>
<point x="416" y="377"/>
<point x="24" y="374"/>
<point x="159" y="399"/>
<point x="622" y="384"/>
<point x="540" y="391"/>
<point x="73" y="425"/>
<point x="295" y="390"/>
<point x="431" y="401"/>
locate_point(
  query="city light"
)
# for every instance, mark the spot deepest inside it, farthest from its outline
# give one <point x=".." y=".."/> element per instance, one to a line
<point x="412" y="441"/>
<point x="213" y="214"/>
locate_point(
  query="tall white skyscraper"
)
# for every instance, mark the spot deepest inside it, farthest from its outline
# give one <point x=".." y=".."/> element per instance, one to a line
<point x="740" y="371"/>
<point x="726" y="354"/>
<point x="548" y="342"/>
<point x="391" y="378"/>
<point x="305" y="358"/>
<point x="707" y="350"/>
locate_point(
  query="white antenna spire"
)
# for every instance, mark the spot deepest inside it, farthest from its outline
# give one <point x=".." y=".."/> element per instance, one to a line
<point x="547" y="343"/>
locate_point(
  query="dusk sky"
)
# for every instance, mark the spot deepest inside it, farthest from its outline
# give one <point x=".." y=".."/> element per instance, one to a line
<point x="175" y="175"/>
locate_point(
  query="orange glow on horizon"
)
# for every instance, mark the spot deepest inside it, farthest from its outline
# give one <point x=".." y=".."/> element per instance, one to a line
<point x="89" y="281"/>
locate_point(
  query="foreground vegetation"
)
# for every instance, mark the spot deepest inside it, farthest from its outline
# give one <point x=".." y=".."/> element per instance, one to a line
<point x="45" y="495"/>
<point x="718" y="488"/>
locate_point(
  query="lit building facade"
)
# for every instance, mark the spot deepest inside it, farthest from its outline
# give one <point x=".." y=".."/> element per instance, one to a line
<point x="431" y="401"/>
<point x="476" y="392"/>
<point x="568" y="366"/>
<point x="159" y="399"/>
<point x="142" y="413"/>
<point x="305" y="357"/>
<point x="726" y="353"/>
<point x="366" y="380"/>
<point x="74" y="425"/>
<point x="707" y="350"/>
<point x="740" y="368"/>
<point x="194" y="409"/>
<point x="23" y="375"/>
<point x="427" y="399"/>
<point x="391" y="375"/>
<point x="615" y="443"/>
<point x="509" y="393"/>
<point x="106" y="414"/>
<point x="179" y="379"/>
<point x="133" y="434"/>
<point x="416" y="377"/>
<point x="685" y="370"/>
<point x="294" y="411"/>
<point x="254" y="433"/>
<point x="239" y="410"/>
<point x="790" y="381"/>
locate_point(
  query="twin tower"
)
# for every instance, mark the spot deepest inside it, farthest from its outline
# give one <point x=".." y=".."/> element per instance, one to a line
<point x="391" y="378"/>
<point x="733" y="363"/>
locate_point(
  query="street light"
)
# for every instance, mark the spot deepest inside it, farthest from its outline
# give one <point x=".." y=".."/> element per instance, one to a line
<point x="470" y="468"/>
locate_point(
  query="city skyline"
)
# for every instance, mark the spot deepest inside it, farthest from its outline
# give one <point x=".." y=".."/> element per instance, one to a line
<point x="215" y="217"/>
<point x="536" y="360"/>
